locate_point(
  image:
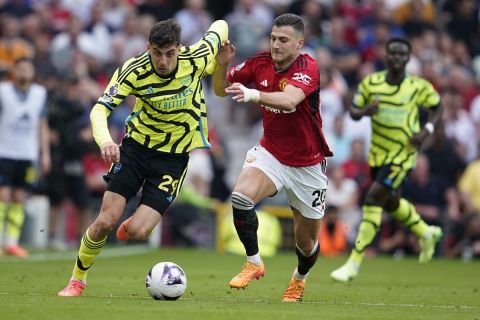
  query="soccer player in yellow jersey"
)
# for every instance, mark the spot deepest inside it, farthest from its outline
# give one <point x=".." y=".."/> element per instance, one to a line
<point x="392" y="99"/>
<point x="168" y="120"/>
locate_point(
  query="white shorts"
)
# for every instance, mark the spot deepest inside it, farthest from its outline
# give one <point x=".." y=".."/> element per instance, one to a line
<point x="306" y="187"/>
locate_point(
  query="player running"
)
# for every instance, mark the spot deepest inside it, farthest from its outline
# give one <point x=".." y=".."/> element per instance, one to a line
<point x="392" y="99"/>
<point x="291" y="153"/>
<point x="168" y="121"/>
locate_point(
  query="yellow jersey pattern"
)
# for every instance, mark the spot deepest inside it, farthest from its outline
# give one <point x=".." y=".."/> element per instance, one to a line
<point x="397" y="119"/>
<point x="170" y="112"/>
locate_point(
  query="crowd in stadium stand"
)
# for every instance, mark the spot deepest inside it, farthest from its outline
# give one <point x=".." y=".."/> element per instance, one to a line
<point x="76" y="45"/>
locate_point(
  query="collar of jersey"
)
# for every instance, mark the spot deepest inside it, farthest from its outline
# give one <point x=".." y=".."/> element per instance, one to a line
<point x="170" y="76"/>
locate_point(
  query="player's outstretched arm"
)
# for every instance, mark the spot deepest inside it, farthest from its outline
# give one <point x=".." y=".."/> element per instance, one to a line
<point x="286" y="100"/>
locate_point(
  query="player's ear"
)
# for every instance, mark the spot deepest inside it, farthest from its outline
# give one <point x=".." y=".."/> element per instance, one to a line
<point x="300" y="43"/>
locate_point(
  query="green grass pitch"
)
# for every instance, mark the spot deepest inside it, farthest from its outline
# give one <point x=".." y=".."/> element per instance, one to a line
<point x="385" y="289"/>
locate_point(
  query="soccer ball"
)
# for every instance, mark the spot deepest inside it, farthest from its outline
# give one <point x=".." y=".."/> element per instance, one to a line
<point x="166" y="281"/>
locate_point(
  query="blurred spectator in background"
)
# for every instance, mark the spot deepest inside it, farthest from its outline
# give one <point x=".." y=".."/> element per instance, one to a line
<point x="469" y="185"/>
<point x="67" y="116"/>
<point x="415" y="16"/>
<point x="344" y="57"/>
<point x="23" y="146"/>
<point x="17" y="8"/>
<point x="460" y="17"/>
<point x="331" y="98"/>
<point x="356" y="167"/>
<point x="12" y="45"/>
<point x="100" y="33"/>
<point x="194" y="20"/>
<point x="249" y="24"/>
<point x="332" y="236"/>
<point x="339" y="140"/>
<point x="426" y="192"/>
<point x="469" y="245"/>
<point x="129" y="41"/>
<point x="458" y="125"/>
<point x="160" y="9"/>
<point x="64" y="44"/>
<point x="343" y="194"/>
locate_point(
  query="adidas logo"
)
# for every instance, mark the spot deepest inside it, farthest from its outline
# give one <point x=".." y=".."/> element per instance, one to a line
<point x="264" y="83"/>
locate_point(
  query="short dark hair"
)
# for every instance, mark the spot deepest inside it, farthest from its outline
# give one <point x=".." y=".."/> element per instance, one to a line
<point x="292" y="20"/>
<point x="398" y="40"/>
<point x="165" y="33"/>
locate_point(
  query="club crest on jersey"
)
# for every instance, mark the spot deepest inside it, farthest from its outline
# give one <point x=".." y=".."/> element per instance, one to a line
<point x="282" y="83"/>
<point x="186" y="81"/>
<point x="117" y="167"/>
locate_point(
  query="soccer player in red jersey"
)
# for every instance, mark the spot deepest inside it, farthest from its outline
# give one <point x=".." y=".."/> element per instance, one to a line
<point x="292" y="151"/>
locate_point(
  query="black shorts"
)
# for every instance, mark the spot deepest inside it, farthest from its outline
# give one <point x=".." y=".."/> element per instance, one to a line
<point x="161" y="174"/>
<point x="392" y="176"/>
<point x="62" y="186"/>
<point x="17" y="173"/>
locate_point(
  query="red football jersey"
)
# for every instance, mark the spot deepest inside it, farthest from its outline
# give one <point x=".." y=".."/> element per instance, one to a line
<point x="294" y="138"/>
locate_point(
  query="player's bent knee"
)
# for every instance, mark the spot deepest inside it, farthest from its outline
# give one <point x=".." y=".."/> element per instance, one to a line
<point x="139" y="234"/>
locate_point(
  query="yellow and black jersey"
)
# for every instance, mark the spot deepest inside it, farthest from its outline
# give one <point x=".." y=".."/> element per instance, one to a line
<point x="397" y="119"/>
<point x="170" y="112"/>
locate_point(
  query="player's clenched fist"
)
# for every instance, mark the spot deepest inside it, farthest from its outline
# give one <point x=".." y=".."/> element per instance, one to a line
<point x="110" y="151"/>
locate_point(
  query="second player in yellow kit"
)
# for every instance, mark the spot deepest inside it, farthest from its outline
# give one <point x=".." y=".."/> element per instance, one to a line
<point x="392" y="99"/>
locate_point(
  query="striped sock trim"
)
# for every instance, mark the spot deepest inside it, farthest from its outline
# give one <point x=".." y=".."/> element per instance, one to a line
<point x="241" y="201"/>
<point x="89" y="243"/>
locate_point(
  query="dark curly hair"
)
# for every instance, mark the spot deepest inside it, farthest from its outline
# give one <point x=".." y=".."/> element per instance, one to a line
<point x="165" y="33"/>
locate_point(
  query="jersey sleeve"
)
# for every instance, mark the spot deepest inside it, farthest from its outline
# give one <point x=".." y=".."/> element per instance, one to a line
<point x="360" y="99"/>
<point x="209" y="45"/>
<point x="120" y="86"/>
<point x="306" y="79"/>
<point x="242" y="73"/>
<point x="428" y="97"/>
<point x="211" y="68"/>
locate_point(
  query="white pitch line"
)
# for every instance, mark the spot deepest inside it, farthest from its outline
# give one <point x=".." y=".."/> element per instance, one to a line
<point x="341" y="303"/>
<point x="68" y="255"/>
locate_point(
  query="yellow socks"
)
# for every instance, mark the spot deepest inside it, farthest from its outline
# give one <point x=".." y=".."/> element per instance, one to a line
<point x="372" y="217"/>
<point x="408" y="216"/>
<point x="87" y="253"/>
<point x="15" y="218"/>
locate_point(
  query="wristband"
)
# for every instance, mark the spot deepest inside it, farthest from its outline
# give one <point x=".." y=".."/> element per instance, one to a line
<point x="429" y="127"/>
<point x="250" y="95"/>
